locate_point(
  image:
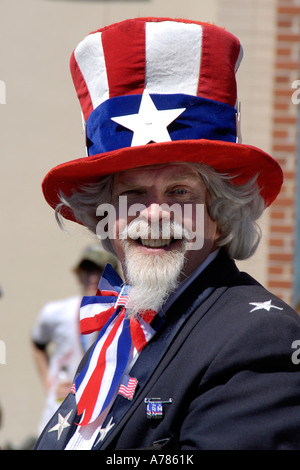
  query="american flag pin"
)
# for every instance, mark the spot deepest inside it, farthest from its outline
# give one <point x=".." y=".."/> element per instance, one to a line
<point x="123" y="297"/>
<point x="155" y="408"/>
<point x="128" y="387"/>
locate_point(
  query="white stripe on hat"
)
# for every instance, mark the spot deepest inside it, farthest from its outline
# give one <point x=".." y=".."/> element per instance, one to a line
<point x="164" y="52"/>
<point x="92" y="66"/>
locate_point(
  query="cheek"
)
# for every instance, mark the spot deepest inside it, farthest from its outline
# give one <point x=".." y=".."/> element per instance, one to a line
<point x="210" y="228"/>
<point x="198" y="221"/>
<point x="122" y="215"/>
<point x="120" y="223"/>
<point x="203" y="226"/>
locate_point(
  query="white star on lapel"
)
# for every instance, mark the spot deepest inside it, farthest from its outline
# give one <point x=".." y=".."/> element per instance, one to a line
<point x="104" y="431"/>
<point x="150" y="124"/>
<point x="263" y="306"/>
<point x="61" y="425"/>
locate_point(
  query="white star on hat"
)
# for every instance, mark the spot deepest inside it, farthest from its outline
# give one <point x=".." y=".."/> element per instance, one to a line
<point x="150" y="124"/>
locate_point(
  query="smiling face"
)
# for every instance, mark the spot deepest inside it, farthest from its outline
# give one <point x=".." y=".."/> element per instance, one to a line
<point x="154" y="188"/>
<point x="158" y="247"/>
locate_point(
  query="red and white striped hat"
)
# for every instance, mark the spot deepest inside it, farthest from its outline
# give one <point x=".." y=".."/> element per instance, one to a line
<point x="159" y="90"/>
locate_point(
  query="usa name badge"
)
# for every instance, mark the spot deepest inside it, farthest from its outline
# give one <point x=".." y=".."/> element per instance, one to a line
<point x="155" y="408"/>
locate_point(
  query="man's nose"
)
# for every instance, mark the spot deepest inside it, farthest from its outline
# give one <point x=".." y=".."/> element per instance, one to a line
<point x="155" y="212"/>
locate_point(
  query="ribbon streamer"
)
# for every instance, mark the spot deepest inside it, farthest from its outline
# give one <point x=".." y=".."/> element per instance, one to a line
<point x="97" y="383"/>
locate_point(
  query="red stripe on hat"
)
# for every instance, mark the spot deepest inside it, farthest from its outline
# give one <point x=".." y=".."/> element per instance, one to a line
<point x="81" y="88"/>
<point x="125" y="58"/>
<point x="220" y="51"/>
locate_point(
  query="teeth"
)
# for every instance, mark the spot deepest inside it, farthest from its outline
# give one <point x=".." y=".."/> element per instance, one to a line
<point x="155" y="243"/>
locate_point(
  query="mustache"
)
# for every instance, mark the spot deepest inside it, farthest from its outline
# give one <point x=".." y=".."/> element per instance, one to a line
<point x="164" y="230"/>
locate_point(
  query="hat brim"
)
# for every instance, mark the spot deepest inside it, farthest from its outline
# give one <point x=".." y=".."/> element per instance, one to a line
<point x="242" y="162"/>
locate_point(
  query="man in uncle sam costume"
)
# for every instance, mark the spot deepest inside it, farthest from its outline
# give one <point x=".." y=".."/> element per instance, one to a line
<point x="191" y="353"/>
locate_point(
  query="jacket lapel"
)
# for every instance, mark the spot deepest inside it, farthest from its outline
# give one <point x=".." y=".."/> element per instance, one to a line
<point x="60" y="427"/>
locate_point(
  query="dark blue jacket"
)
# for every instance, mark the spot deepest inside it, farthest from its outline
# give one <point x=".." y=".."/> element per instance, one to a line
<point x="229" y="364"/>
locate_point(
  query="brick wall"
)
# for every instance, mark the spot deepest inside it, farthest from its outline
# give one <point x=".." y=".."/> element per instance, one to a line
<point x="284" y="149"/>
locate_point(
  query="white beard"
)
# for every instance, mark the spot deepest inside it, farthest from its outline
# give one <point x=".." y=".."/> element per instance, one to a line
<point x="152" y="276"/>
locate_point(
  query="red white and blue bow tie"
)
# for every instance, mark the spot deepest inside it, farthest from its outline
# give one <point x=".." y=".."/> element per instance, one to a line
<point x="106" y="312"/>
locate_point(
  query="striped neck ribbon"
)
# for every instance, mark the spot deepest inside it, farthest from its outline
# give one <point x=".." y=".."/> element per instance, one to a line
<point x="98" y="382"/>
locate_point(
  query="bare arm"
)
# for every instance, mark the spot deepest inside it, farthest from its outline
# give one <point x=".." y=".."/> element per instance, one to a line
<point x="42" y="362"/>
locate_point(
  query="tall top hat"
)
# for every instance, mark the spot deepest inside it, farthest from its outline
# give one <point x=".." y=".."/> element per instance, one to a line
<point x="157" y="90"/>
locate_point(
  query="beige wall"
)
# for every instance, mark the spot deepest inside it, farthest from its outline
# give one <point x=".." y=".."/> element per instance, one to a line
<point x="41" y="127"/>
<point x="254" y="23"/>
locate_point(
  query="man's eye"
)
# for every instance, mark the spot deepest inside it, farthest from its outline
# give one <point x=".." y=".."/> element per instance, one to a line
<point x="181" y="191"/>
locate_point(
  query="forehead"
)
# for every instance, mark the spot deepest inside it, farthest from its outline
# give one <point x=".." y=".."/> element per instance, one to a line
<point x="158" y="173"/>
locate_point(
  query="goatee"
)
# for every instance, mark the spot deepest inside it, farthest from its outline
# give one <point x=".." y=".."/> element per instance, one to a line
<point x="153" y="277"/>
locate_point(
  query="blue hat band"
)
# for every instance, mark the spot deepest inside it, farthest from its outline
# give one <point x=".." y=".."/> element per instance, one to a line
<point x="202" y="119"/>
